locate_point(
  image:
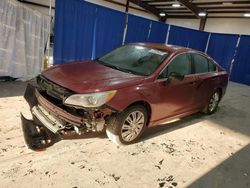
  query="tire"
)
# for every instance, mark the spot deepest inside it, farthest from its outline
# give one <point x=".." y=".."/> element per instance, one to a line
<point x="126" y="127"/>
<point x="213" y="103"/>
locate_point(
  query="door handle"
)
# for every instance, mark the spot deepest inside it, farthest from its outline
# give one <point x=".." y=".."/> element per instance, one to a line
<point x="192" y="83"/>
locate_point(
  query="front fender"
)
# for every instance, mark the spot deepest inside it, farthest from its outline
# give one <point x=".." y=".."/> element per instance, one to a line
<point x="125" y="97"/>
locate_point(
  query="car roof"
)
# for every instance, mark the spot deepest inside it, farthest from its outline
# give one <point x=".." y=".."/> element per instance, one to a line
<point x="165" y="47"/>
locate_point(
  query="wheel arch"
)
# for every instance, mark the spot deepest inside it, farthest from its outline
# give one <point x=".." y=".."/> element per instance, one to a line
<point x="220" y="91"/>
<point x="146" y="105"/>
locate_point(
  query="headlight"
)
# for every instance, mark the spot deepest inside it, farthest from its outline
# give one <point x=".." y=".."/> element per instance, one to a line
<point x="90" y="100"/>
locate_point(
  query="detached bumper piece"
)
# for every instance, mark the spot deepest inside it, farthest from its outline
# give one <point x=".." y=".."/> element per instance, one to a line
<point x="37" y="137"/>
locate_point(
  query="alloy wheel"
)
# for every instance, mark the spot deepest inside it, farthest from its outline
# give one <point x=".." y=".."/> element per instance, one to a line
<point x="132" y="126"/>
<point x="214" y="101"/>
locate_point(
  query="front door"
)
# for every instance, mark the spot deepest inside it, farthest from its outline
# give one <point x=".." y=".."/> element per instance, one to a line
<point x="176" y="95"/>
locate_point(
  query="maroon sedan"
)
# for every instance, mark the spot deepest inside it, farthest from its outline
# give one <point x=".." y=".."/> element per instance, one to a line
<point x="131" y="88"/>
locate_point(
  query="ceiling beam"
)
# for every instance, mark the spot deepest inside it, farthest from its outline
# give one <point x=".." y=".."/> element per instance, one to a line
<point x="35" y="4"/>
<point x="160" y="1"/>
<point x="203" y="24"/>
<point x="147" y="7"/>
<point x="209" y="16"/>
<point x="220" y="2"/>
<point x="225" y="7"/>
<point x="124" y="5"/>
<point x="127" y="6"/>
<point x="190" y="6"/>
<point x="241" y="17"/>
<point x="208" y="2"/>
<point x="227" y="11"/>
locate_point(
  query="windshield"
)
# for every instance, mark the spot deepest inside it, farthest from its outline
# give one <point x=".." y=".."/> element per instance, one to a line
<point x="134" y="59"/>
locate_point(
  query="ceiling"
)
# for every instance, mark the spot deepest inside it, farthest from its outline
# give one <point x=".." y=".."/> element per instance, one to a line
<point x="192" y="8"/>
<point x="186" y="9"/>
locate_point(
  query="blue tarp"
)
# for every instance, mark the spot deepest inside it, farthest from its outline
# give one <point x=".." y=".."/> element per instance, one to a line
<point x="84" y="30"/>
<point x="158" y="32"/>
<point x="138" y="29"/>
<point x="74" y="30"/>
<point x="241" y="66"/>
<point x="222" y="48"/>
<point x="108" y="31"/>
<point x="188" y="38"/>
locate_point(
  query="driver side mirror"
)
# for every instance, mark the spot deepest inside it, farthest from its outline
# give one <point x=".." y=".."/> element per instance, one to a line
<point x="174" y="75"/>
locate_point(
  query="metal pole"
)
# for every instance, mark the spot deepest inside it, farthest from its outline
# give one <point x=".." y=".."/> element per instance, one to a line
<point x="234" y="57"/>
<point x="208" y="41"/>
<point x="48" y="44"/>
<point x="169" y="27"/>
<point x="126" y="23"/>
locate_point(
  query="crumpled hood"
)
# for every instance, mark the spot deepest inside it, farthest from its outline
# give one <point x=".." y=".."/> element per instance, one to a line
<point x="90" y="77"/>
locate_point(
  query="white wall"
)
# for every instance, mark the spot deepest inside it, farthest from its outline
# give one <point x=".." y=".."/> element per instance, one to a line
<point x="233" y="26"/>
<point x="216" y="25"/>
<point x="189" y="23"/>
<point x="43" y="10"/>
<point x="122" y="8"/>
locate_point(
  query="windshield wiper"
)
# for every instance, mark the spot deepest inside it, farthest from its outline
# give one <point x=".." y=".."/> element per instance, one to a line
<point x="120" y="69"/>
<point x="116" y="67"/>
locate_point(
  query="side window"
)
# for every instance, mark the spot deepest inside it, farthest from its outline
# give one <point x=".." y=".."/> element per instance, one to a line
<point x="200" y="63"/>
<point x="164" y="73"/>
<point x="211" y="66"/>
<point x="180" y="64"/>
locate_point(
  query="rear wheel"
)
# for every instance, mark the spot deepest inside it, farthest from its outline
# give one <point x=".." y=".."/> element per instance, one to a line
<point x="126" y="127"/>
<point x="212" y="103"/>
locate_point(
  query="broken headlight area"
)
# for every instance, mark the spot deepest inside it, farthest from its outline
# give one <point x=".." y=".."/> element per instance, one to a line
<point x="93" y="100"/>
<point x="52" y="119"/>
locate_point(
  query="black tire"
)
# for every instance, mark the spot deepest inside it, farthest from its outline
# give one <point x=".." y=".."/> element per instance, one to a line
<point x="213" y="103"/>
<point x="116" y="123"/>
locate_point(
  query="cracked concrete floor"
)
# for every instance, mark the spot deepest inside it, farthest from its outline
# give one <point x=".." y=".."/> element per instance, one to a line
<point x="197" y="151"/>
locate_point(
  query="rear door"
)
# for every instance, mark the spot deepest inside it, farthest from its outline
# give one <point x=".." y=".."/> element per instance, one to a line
<point x="206" y="77"/>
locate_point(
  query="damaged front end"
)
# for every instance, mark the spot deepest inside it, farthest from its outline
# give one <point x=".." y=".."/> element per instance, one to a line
<point x="52" y="119"/>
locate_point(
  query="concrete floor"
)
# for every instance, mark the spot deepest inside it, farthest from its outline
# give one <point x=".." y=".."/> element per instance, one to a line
<point x="198" y="151"/>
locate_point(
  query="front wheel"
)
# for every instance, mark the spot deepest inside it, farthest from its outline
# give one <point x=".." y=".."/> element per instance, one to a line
<point x="212" y="103"/>
<point x="126" y="127"/>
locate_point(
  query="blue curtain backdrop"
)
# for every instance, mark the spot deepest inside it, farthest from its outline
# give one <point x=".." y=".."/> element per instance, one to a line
<point x="188" y="38"/>
<point x="85" y="31"/>
<point x="109" y="31"/>
<point x="158" y="32"/>
<point x="138" y="29"/>
<point x="74" y="30"/>
<point x="241" y="66"/>
<point x="222" y="48"/>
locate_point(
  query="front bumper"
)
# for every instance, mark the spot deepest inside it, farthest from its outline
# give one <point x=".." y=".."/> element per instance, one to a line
<point x="36" y="136"/>
<point x="43" y="130"/>
<point x="47" y="113"/>
<point x="46" y="119"/>
<point x="53" y="117"/>
<point x="51" y="123"/>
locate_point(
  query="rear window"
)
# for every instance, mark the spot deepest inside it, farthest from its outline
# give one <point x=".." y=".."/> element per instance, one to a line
<point x="200" y="63"/>
<point x="211" y="66"/>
